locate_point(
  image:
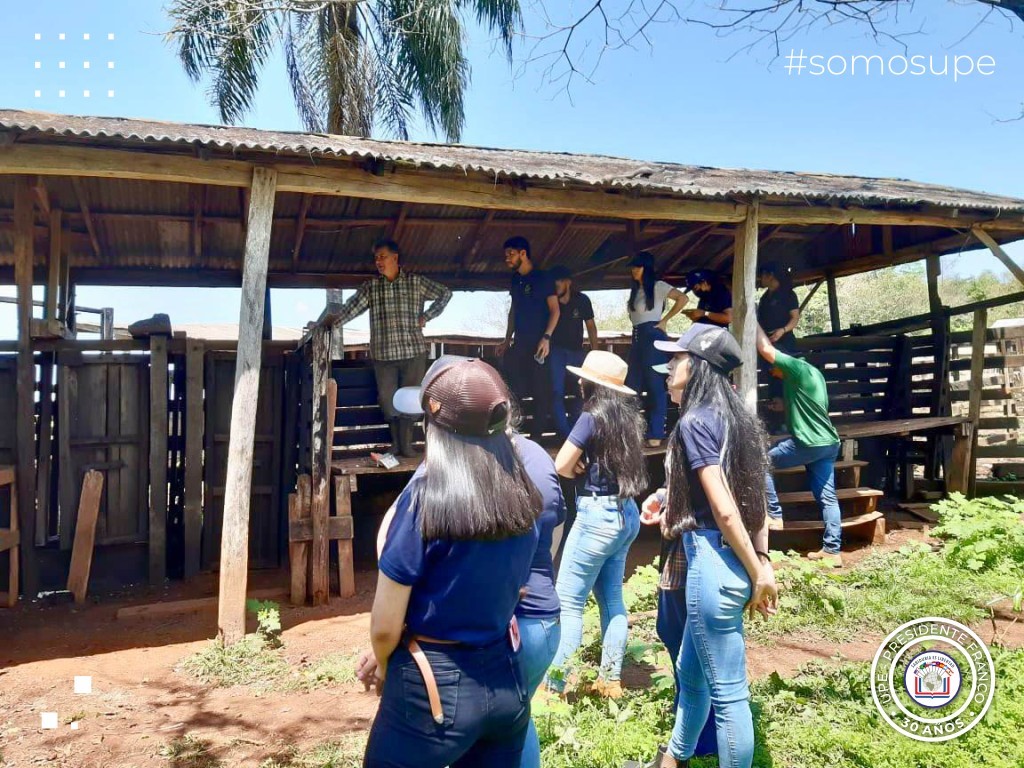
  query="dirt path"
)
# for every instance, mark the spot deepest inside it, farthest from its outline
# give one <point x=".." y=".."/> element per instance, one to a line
<point x="140" y="702"/>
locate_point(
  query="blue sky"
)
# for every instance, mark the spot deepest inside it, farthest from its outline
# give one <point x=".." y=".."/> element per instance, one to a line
<point x="692" y="96"/>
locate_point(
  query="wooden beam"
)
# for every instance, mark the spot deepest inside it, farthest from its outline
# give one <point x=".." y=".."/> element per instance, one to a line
<point x="887" y="240"/>
<point x="53" y="266"/>
<point x="44" y="464"/>
<point x="197" y="193"/>
<point x="833" y="304"/>
<point x="41" y="195"/>
<point x="158" y="433"/>
<point x="977" y="384"/>
<point x="320" y="447"/>
<point x="560" y="238"/>
<point x="194" y="436"/>
<point x="25" y="448"/>
<point x="300" y="230"/>
<point x="999" y="253"/>
<point x="701" y="234"/>
<point x="85" y="535"/>
<point x="398" y="225"/>
<point x="656" y="241"/>
<point x="744" y="303"/>
<point x="810" y="295"/>
<point x="243" y="205"/>
<point x="298" y="551"/>
<point x="86" y="216"/>
<point x="343" y="514"/>
<point x="933" y="268"/>
<point x="234" y="552"/>
<point x="719" y="259"/>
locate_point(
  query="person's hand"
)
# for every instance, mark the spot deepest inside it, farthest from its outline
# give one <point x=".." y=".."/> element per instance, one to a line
<point x="543" y="348"/>
<point x="777" y="334"/>
<point x="423" y="321"/>
<point x="502" y="348"/>
<point x="369" y="672"/>
<point x="695" y="314"/>
<point x="652" y="510"/>
<point x="662" y="325"/>
<point x="580" y="468"/>
<point x="764" y="597"/>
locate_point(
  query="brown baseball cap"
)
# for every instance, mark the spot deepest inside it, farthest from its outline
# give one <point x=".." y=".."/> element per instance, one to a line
<point x="465" y="396"/>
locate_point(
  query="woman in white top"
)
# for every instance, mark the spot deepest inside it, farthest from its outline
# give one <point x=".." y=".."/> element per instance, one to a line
<point x="647" y="298"/>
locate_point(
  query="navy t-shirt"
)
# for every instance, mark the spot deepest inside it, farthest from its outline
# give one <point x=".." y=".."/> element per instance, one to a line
<point x="773" y="311"/>
<point x="568" y="334"/>
<point x="703" y="434"/>
<point x="595" y="480"/>
<point x="463" y="591"/>
<point x="530" y="304"/>
<point x="541" y="600"/>
<point x="718" y="299"/>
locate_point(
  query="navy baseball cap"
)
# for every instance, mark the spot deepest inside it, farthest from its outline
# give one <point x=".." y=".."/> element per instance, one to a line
<point x="714" y="344"/>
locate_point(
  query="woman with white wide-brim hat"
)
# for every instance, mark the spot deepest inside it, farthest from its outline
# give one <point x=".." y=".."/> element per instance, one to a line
<point x="607" y="444"/>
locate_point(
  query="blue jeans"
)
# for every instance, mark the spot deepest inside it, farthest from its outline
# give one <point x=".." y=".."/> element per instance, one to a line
<point x="484" y="700"/>
<point x="595" y="559"/>
<point x="712" y="664"/>
<point x="642" y="378"/>
<point x="820" y="462"/>
<point x="540" y="639"/>
<point x="670" y="627"/>
<point x="558" y="359"/>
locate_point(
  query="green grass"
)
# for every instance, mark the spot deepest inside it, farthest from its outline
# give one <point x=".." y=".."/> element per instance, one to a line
<point x="343" y="753"/>
<point x="256" y="663"/>
<point x="189" y="752"/>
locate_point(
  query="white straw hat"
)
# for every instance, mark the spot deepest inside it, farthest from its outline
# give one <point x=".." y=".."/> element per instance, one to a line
<point x="604" y="368"/>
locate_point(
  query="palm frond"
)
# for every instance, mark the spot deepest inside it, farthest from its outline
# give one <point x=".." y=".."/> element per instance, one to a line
<point x="502" y="16"/>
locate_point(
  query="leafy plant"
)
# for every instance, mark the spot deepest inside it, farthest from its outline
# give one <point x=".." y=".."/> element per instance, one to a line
<point x="250" y="661"/>
<point x="268" y="620"/>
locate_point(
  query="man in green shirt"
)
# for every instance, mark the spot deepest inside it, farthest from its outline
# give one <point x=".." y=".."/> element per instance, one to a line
<point x="814" y="444"/>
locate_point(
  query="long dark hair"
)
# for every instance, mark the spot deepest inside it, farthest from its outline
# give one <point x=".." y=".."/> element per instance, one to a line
<point x="474" y="488"/>
<point x="744" y="458"/>
<point x="618" y="441"/>
<point x="648" y="279"/>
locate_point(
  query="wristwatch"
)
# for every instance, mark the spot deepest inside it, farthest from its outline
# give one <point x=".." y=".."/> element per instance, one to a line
<point x="546" y="336"/>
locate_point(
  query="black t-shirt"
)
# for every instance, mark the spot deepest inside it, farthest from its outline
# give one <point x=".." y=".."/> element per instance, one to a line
<point x="530" y="304"/>
<point x="703" y="435"/>
<point x="596" y="480"/>
<point x="572" y="315"/>
<point x="718" y="299"/>
<point x="773" y="311"/>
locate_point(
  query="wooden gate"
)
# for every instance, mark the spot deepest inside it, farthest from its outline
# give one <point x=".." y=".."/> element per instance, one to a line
<point x="265" y="509"/>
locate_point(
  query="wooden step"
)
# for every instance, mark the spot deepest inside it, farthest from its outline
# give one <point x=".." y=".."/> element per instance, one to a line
<point x="843" y="494"/>
<point x="921" y="511"/>
<point x="800" y="505"/>
<point x="856" y="463"/>
<point x="794" y="479"/>
<point x="868" y="527"/>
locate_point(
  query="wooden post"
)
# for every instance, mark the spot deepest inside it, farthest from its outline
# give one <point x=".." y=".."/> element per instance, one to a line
<point x="319" y="582"/>
<point x="744" y="294"/>
<point x="335" y="301"/>
<point x="234" y="544"/>
<point x="978" y="338"/>
<point x="53" y="269"/>
<point x="833" y="305"/>
<point x="960" y="468"/>
<point x="933" y="269"/>
<point x="157" y="459"/>
<point x="85" y="534"/>
<point x="343" y="510"/>
<point x="194" y="424"/>
<point x="44" y="464"/>
<point x="298" y="551"/>
<point x="25" y="387"/>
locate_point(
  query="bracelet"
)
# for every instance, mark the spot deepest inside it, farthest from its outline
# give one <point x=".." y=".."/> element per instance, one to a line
<point x="759" y="553"/>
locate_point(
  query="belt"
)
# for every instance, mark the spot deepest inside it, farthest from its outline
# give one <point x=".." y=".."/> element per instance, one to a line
<point x="429" y="681"/>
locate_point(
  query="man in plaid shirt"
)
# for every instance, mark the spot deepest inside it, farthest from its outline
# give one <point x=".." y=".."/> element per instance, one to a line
<point x="395" y="300"/>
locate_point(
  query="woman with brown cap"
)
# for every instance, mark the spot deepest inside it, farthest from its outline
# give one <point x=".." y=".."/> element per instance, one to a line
<point x="608" y="441"/>
<point x="454" y="560"/>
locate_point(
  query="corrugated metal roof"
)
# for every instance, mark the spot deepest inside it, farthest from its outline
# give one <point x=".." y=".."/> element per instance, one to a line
<point x="591" y="170"/>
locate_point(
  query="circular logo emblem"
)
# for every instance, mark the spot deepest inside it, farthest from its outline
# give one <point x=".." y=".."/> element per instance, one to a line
<point x="935" y="659"/>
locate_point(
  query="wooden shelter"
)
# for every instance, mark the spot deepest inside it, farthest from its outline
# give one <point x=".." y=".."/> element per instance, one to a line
<point x="118" y="202"/>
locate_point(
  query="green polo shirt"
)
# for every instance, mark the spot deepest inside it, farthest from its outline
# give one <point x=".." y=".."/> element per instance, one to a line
<point x="803" y="388"/>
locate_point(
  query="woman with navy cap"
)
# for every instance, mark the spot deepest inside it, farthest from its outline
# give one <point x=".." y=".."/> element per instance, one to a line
<point x="713" y="514"/>
<point x="648" y="296"/>
<point x="456" y="556"/>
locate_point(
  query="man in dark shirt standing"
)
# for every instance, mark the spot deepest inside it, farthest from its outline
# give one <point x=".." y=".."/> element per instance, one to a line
<point x="575" y="311"/>
<point x="714" y="300"/>
<point x="531" y="322"/>
<point x="778" y="311"/>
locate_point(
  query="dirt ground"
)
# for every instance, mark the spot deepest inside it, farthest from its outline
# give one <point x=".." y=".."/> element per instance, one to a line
<point x="140" y="702"/>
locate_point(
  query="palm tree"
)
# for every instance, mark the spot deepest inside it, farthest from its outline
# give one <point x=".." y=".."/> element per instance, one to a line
<point x="355" y="66"/>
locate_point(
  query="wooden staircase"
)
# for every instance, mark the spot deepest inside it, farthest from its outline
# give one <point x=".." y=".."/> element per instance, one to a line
<point x="802" y="524"/>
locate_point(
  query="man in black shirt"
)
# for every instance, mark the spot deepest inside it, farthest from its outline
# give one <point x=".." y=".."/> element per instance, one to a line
<point x="714" y="300"/>
<point x="778" y="311"/>
<point x="531" y="322"/>
<point x="575" y="311"/>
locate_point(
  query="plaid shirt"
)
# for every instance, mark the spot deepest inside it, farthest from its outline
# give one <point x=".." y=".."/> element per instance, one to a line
<point x="396" y="307"/>
<point x="673" y="564"/>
